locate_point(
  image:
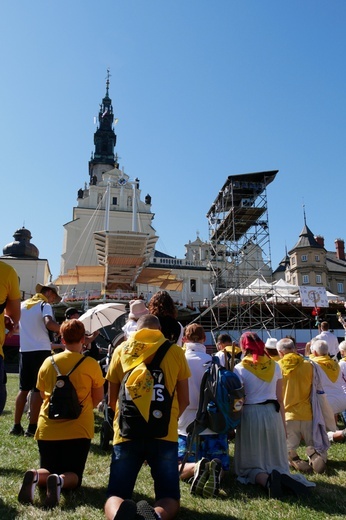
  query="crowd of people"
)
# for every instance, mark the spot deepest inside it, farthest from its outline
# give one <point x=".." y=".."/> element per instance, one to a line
<point x="289" y="399"/>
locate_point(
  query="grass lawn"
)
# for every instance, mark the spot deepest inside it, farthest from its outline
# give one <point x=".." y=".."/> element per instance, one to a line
<point x="17" y="454"/>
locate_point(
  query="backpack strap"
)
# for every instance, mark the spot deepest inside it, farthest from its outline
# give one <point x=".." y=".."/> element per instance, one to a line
<point x="160" y="354"/>
<point x="76" y="365"/>
<point x="198" y="424"/>
<point x="194" y="429"/>
<point x="55" y="366"/>
<point x="72" y="369"/>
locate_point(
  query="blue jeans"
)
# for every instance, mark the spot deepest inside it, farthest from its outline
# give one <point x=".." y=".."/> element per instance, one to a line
<point x="127" y="460"/>
<point x="208" y="446"/>
<point x="343" y="414"/>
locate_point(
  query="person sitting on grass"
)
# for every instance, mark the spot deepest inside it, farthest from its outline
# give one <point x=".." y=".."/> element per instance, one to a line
<point x="64" y="443"/>
<point x="212" y="448"/>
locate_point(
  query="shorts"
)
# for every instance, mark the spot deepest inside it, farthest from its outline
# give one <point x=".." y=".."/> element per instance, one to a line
<point x="127" y="460"/>
<point x="63" y="456"/>
<point x="29" y="365"/>
<point x="209" y="446"/>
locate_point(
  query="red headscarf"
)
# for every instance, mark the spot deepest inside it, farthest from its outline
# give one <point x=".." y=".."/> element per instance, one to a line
<point x="250" y="342"/>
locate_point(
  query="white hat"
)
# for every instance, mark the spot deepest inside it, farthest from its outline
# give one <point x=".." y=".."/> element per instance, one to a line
<point x="137" y="309"/>
<point x="271" y="343"/>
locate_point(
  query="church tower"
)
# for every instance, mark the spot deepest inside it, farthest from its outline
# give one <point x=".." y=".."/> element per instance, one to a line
<point x="103" y="158"/>
<point x="109" y="204"/>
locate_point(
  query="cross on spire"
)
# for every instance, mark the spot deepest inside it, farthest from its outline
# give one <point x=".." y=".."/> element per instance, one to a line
<point x="107" y="82"/>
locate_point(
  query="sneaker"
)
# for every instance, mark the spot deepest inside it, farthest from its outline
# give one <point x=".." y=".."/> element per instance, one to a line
<point x="26" y="493"/>
<point x="212" y="486"/>
<point x="274" y="485"/>
<point x="53" y="491"/>
<point x="300" y="465"/>
<point x="298" y="488"/>
<point x="201" y="471"/>
<point x="127" y="511"/>
<point x="30" y="431"/>
<point x="145" y="511"/>
<point x="17" y="430"/>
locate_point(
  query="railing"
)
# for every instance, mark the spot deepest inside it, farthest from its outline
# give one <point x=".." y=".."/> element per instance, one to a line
<point x="179" y="262"/>
<point x="77" y="296"/>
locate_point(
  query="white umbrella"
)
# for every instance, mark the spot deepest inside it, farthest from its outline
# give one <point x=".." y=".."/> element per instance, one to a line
<point x="102" y="315"/>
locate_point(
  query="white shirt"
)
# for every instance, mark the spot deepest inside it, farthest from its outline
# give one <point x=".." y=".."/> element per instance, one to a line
<point x="198" y="361"/>
<point x="221" y="355"/>
<point x="33" y="333"/>
<point x="332" y="340"/>
<point x="335" y="392"/>
<point x="129" y="327"/>
<point x="257" y="390"/>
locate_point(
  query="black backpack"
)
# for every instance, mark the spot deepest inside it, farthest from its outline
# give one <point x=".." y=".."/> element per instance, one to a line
<point x="220" y="402"/>
<point x="64" y="402"/>
<point x="131" y="422"/>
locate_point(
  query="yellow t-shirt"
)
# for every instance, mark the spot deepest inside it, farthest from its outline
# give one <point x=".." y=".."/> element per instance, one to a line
<point x="88" y="375"/>
<point x="9" y="289"/>
<point x="297" y="382"/>
<point x="174" y="366"/>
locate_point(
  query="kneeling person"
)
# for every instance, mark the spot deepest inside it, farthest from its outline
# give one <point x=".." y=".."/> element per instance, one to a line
<point x="211" y="450"/>
<point x="64" y="443"/>
<point x="161" y="453"/>
<point x="298" y="376"/>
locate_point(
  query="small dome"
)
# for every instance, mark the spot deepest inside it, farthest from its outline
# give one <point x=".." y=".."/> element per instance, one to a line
<point x="21" y="247"/>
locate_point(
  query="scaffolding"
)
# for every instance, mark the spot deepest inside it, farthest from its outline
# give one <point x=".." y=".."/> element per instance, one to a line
<point x="245" y="296"/>
<point x="239" y="246"/>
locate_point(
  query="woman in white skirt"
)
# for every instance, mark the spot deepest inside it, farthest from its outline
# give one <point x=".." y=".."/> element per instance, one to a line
<point x="260" y="444"/>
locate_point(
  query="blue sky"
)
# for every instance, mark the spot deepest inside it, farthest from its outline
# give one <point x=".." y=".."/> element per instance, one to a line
<point x="202" y="90"/>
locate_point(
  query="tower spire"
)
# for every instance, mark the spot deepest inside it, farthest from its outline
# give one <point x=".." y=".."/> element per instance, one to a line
<point x="104" y="137"/>
<point x="107" y="82"/>
<point x="304" y="214"/>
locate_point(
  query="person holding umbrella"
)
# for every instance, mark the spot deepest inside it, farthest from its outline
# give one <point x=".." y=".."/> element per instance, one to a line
<point x="90" y="347"/>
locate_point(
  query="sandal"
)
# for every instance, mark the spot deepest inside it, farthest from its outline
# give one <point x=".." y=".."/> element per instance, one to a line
<point x="315" y="460"/>
<point x="300" y="465"/>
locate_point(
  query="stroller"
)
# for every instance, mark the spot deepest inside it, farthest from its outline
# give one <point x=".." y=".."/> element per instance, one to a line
<point x="106" y="433"/>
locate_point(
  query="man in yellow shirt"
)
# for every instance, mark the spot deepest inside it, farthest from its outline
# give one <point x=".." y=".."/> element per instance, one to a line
<point x="9" y="317"/>
<point x="297" y="385"/>
<point x="130" y="451"/>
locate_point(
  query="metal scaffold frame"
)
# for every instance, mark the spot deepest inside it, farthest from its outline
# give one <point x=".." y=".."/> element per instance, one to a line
<point x="240" y="248"/>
